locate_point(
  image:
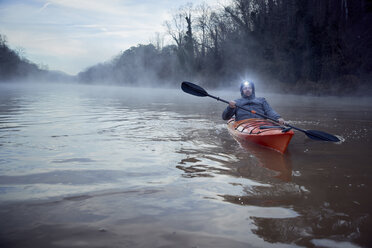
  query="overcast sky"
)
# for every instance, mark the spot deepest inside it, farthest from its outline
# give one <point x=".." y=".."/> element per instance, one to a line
<point x="70" y="35"/>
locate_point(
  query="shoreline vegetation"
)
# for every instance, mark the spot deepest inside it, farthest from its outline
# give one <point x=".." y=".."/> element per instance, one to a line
<point x="298" y="47"/>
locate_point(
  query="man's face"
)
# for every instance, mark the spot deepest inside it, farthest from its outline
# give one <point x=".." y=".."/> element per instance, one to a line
<point x="247" y="90"/>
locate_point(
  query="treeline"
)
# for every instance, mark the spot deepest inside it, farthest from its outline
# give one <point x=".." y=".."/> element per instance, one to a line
<point x="300" y="45"/>
<point x="14" y="67"/>
<point x="140" y="65"/>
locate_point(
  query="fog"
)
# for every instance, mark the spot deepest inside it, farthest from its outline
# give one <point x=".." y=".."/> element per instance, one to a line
<point x="119" y="154"/>
<point x="219" y="47"/>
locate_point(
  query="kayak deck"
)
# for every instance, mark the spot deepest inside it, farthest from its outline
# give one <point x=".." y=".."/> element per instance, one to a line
<point x="262" y="132"/>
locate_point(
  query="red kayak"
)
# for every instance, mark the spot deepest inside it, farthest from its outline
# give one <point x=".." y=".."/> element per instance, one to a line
<point x="262" y="132"/>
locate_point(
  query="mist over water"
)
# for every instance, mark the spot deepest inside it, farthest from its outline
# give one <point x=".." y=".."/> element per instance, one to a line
<point x="148" y="167"/>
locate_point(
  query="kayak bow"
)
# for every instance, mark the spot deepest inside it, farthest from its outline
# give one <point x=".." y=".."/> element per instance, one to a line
<point x="262" y="132"/>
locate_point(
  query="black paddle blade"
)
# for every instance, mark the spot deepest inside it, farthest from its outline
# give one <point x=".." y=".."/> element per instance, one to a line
<point x="319" y="135"/>
<point x="193" y="89"/>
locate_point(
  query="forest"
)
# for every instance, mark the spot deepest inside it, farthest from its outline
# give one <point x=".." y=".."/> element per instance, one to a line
<point x="296" y="46"/>
<point x="15" y="67"/>
<point x="300" y="46"/>
<point x="12" y="65"/>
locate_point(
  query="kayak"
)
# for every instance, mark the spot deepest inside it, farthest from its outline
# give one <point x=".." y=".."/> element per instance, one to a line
<point x="262" y="132"/>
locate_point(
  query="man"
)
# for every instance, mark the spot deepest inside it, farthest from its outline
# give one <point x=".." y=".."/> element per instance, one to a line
<point x="251" y="102"/>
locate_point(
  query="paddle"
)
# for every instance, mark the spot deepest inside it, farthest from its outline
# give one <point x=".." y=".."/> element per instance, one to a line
<point x="196" y="90"/>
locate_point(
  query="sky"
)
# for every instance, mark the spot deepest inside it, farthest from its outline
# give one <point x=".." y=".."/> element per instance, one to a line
<point x="71" y="35"/>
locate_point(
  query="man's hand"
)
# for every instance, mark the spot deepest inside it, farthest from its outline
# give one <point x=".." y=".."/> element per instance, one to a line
<point x="232" y="104"/>
<point x="281" y="121"/>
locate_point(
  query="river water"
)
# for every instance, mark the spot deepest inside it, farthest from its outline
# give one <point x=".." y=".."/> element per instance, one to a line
<point x="93" y="166"/>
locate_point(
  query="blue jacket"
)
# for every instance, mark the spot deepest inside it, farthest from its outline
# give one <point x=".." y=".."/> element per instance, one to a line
<point x="258" y="104"/>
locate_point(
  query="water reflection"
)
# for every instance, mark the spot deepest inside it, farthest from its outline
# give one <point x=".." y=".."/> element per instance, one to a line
<point x="89" y="144"/>
<point x="274" y="161"/>
<point x="291" y="206"/>
<point x="205" y="162"/>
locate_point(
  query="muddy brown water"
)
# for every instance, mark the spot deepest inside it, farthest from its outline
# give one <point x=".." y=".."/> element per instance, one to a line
<point x="92" y="166"/>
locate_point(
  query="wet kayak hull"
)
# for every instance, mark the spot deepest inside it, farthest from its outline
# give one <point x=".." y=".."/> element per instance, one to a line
<point x="261" y="132"/>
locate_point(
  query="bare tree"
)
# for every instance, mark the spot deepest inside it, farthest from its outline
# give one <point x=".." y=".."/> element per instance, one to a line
<point x="158" y="41"/>
<point x="176" y="28"/>
<point x="203" y="12"/>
